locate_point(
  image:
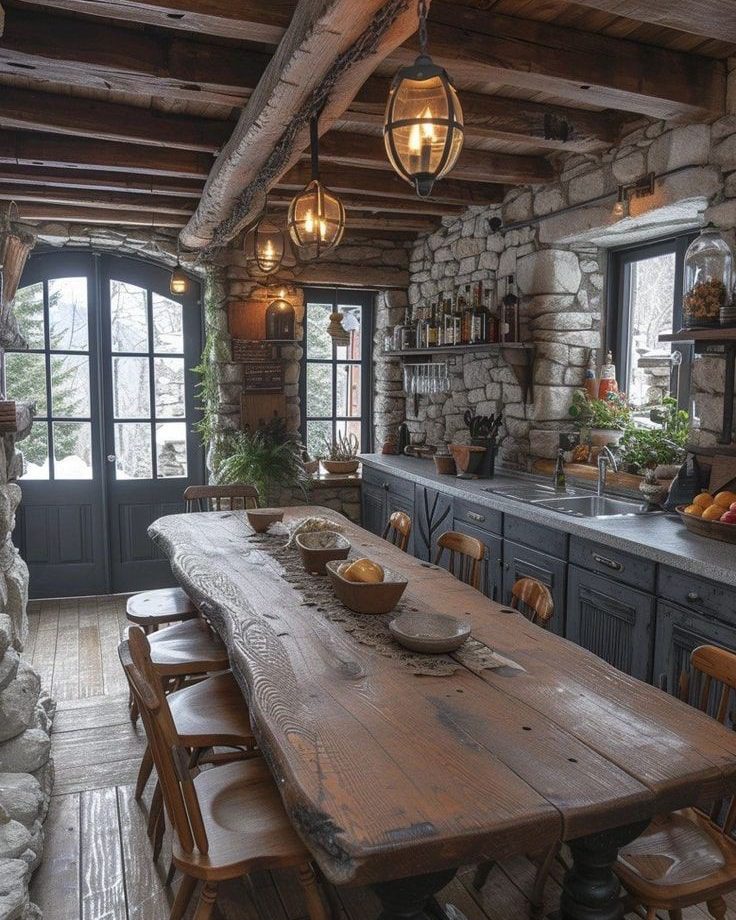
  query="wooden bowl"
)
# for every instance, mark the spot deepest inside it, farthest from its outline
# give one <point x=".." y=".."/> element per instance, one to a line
<point x="380" y="597"/>
<point x="432" y="633"/>
<point x="260" y="519"/>
<point x="714" y="530"/>
<point x="341" y="467"/>
<point x="320" y="547"/>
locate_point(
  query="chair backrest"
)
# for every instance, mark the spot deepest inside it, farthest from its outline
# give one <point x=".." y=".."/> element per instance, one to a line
<point x="211" y="498"/>
<point x="398" y="529"/>
<point x="534" y="600"/>
<point x="465" y="554"/>
<point x="169" y="756"/>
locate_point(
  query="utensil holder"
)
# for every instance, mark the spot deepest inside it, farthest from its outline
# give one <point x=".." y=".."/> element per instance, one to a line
<point x="487" y="468"/>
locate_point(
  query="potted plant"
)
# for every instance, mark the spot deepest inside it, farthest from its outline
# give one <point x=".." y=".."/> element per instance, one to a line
<point x="659" y="449"/>
<point x="606" y="419"/>
<point x="270" y="458"/>
<point x="341" y="454"/>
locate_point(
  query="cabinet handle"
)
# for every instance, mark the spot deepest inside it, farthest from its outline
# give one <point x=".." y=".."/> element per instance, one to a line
<point x="693" y="597"/>
<point x="385" y="486"/>
<point x="507" y="566"/>
<point x="609" y="563"/>
<point x="472" y="516"/>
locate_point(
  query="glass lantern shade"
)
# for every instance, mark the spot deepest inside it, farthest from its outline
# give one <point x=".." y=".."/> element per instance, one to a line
<point x="316" y="219"/>
<point x="423" y="125"/>
<point x="280" y="320"/>
<point x="178" y="283"/>
<point x="264" y="246"/>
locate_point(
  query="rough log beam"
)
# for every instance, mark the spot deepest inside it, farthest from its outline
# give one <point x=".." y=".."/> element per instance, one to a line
<point x="364" y="150"/>
<point x="376" y="205"/>
<point x="134" y="218"/>
<point x="21" y="176"/>
<point x="108" y="201"/>
<point x="327" y="53"/>
<point x="413" y="224"/>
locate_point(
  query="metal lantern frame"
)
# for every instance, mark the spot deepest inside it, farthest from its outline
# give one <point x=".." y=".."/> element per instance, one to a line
<point x="423" y="70"/>
<point x="179" y="281"/>
<point x="318" y="194"/>
<point x="264" y="229"/>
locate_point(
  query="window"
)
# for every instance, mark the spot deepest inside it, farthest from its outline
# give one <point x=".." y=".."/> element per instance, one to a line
<point x="335" y="385"/>
<point x="645" y="298"/>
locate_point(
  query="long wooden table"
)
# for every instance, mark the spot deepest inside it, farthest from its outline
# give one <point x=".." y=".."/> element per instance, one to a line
<point x="396" y="780"/>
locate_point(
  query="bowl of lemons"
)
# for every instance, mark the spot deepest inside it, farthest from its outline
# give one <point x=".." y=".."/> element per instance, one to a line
<point x="364" y="586"/>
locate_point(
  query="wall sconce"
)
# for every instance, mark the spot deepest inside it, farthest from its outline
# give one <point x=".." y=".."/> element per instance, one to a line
<point x="280" y="321"/>
<point x="638" y="189"/>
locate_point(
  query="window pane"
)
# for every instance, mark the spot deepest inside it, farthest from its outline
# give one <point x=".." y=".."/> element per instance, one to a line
<point x="25" y="377"/>
<point x="316" y="434"/>
<point x="352" y="321"/>
<point x="70" y="386"/>
<point x="319" y="343"/>
<point x="72" y="450"/>
<point x="131" y="388"/>
<point x="128" y="317"/>
<point x="28" y="308"/>
<point x="133" y="451"/>
<point x="348" y="428"/>
<point x="68" y="314"/>
<point x="348" y="389"/>
<point x="171" y="450"/>
<point x="319" y="389"/>
<point x="651" y="299"/>
<point x="169" y="380"/>
<point x="168" y="329"/>
<point x="35" y="450"/>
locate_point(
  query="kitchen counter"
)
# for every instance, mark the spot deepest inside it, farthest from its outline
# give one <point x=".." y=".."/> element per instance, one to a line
<point x="661" y="538"/>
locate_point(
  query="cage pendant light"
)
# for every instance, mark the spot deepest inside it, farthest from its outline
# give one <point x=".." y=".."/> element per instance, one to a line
<point x="316" y="219"/>
<point x="423" y="125"/>
<point x="264" y="244"/>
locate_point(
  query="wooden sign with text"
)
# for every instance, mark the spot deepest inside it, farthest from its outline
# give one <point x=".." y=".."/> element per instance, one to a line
<point x="264" y="370"/>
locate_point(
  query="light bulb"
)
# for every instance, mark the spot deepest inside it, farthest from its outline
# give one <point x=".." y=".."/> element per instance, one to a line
<point x="415" y="139"/>
<point x="427" y="124"/>
<point x="309" y="223"/>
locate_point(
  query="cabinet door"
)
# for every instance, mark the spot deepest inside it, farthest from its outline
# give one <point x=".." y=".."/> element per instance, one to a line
<point x="523" y="562"/>
<point x="433" y="512"/>
<point x="396" y="502"/>
<point x="373" y="508"/>
<point x="679" y="631"/>
<point x="491" y="575"/>
<point x="612" y="620"/>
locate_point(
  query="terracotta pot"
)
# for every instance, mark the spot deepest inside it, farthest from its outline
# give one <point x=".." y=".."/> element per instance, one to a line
<point x="602" y="437"/>
<point x="468" y="458"/>
<point x="340" y="467"/>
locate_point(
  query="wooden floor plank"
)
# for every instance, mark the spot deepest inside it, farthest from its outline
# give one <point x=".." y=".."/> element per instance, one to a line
<point x="102" y="875"/>
<point x="108" y="625"/>
<point x="55" y="886"/>
<point x="33" y="613"/>
<point x="65" y="684"/>
<point x="93" y="712"/>
<point x="91" y="681"/>
<point x="145" y="894"/>
<point x="44" y="651"/>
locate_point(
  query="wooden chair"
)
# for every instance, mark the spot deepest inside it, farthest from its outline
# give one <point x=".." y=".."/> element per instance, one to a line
<point x="398" y="529"/>
<point x="151" y="609"/>
<point x="465" y="554"/>
<point x="687" y="858"/>
<point x="228" y="820"/>
<point x="210" y="498"/>
<point x="534" y="600"/>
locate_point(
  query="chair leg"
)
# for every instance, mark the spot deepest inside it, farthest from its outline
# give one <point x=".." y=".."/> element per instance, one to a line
<point x="312" y="894"/>
<point x="156" y="806"/>
<point x="170" y="874"/>
<point x="144" y="771"/>
<point x="536" y="899"/>
<point x="675" y="914"/>
<point x="482" y="873"/>
<point x="132" y="709"/>
<point x="651" y="913"/>
<point x="206" y="905"/>
<point x="183" y="897"/>
<point x="717" y="908"/>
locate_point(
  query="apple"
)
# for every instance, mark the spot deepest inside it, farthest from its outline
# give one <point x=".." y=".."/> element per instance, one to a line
<point x="732" y="507"/>
<point x="729" y="517"/>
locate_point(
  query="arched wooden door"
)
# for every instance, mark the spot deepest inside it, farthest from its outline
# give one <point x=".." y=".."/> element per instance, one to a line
<point x="112" y="447"/>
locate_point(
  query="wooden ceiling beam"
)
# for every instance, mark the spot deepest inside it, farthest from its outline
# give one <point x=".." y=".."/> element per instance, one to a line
<point x="95" y="180"/>
<point x="365" y="150"/>
<point x="135" y="218"/>
<point x="41" y="111"/>
<point x="409" y="224"/>
<point x="35" y="149"/>
<point x="375" y="205"/>
<point x="109" y="200"/>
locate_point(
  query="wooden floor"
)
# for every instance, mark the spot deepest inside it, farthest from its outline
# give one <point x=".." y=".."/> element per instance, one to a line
<point x="97" y="860"/>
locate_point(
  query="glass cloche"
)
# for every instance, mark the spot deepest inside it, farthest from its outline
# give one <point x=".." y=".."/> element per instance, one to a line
<point x="708" y="279"/>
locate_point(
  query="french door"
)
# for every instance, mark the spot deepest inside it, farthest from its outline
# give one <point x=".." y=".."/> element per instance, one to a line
<point x="112" y="448"/>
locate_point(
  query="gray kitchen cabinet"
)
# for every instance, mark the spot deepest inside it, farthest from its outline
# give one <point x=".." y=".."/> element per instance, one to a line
<point x="491" y="574"/>
<point x="381" y="495"/>
<point x="372" y="507"/>
<point x="432" y="517"/>
<point x="613" y="620"/>
<point x="523" y="562"/>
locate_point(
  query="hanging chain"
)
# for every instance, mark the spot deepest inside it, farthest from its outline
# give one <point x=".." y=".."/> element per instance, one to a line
<point x="422" y="11"/>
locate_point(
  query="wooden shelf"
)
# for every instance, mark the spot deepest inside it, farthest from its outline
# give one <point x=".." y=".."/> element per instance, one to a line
<point x="456" y="349"/>
<point x="715" y="334"/>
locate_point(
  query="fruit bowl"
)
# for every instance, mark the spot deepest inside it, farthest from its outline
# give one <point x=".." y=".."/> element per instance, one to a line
<point x="320" y="547"/>
<point x="714" y="530"/>
<point x="367" y="597"/>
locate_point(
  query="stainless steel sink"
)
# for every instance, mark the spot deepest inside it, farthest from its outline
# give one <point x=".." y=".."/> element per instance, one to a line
<point x="592" y="506"/>
<point x="531" y="492"/>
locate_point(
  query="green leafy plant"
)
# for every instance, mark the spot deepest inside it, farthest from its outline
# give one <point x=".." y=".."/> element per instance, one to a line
<point x="645" y="448"/>
<point x="343" y="448"/>
<point x="270" y="458"/>
<point x="613" y="412"/>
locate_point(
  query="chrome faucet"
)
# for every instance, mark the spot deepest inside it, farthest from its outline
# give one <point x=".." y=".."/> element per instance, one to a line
<point x="604" y="458"/>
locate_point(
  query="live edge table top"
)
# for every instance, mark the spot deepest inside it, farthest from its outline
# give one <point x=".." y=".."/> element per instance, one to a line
<point x="386" y="774"/>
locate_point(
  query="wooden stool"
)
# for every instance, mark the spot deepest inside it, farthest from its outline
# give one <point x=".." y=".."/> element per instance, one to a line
<point x="398" y="529"/>
<point x="465" y="554"/>
<point x="151" y="609"/>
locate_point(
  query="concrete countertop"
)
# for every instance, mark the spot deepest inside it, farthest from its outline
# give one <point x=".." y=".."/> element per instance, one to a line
<point x="659" y="537"/>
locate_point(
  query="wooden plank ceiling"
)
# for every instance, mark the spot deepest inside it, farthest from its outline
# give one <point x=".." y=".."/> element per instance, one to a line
<point x="115" y="111"/>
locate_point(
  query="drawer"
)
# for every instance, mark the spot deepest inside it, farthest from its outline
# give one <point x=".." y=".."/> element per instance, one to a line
<point x="697" y="594"/>
<point x="386" y="481"/>
<point x="622" y="567"/>
<point x="538" y="536"/>
<point x="479" y="516"/>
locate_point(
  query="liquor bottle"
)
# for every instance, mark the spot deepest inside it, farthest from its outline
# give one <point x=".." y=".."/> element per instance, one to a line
<point x="419" y="330"/>
<point x="590" y="381"/>
<point x="452" y="335"/>
<point x="510" y="310"/>
<point x="477" y="317"/>
<point x="403" y="336"/>
<point x="491" y="318"/>
<point x="607" y="382"/>
<point x="466" y="317"/>
<point x="432" y="328"/>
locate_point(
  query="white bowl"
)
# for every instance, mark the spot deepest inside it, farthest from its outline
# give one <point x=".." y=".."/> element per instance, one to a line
<point x="432" y="633"/>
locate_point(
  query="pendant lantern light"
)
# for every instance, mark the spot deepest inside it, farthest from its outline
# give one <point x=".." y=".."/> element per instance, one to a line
<point x="264" y="244"/>
<point x="338" y="333"/>
<point x="179" y="281"/>
<point x="423" y="125"/>
<point x="316" y="218"/>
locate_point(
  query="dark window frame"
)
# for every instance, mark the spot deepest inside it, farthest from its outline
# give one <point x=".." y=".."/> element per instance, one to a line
<point x="618" y="313"/>
<point x="365" y="299"/>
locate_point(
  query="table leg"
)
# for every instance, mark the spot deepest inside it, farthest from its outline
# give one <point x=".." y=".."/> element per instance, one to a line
<point x="591" y="890"/>
<point x="412" y="898"/>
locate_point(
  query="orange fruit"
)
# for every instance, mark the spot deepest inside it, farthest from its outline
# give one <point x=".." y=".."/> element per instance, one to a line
<point x="364" y="570"/>
<point x="725" y="499"/>
<point x="695" y="510"/>
<point x="703" y="500"/>
<point x="712" y="513"/>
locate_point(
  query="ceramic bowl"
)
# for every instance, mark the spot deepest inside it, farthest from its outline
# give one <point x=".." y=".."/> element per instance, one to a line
<point x="380" y="597"/>
<point x="341" y="467"/>
<point x="434" y="633"/>
<point x="320" y="547"/>
<point x="260" y="519"/>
